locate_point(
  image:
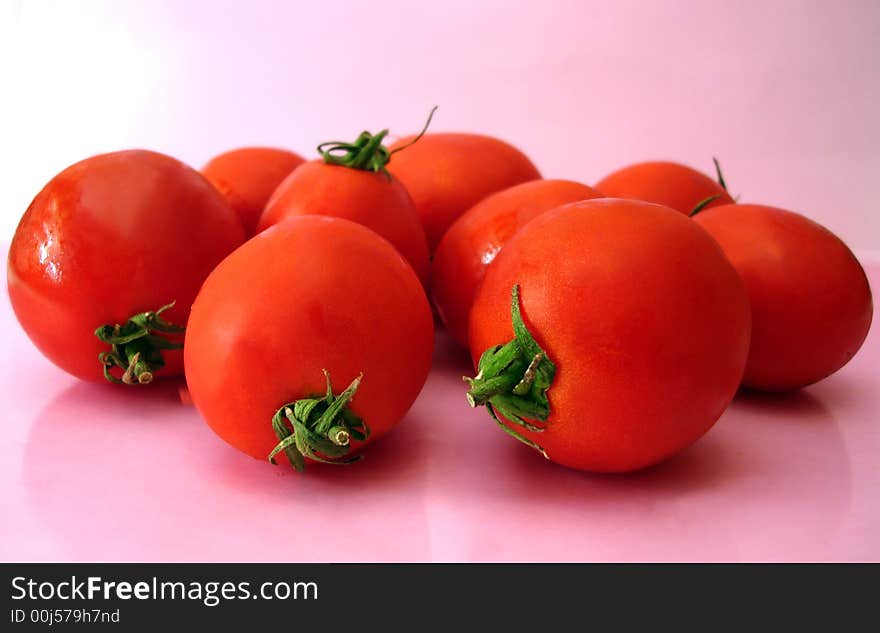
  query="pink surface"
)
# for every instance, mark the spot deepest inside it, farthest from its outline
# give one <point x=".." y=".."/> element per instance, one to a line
<point x="97" y="472"/>
<point x="785" y="93"/>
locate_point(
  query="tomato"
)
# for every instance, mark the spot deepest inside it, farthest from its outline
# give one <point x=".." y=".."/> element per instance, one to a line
<point x="351" y="182"/>
<point x="308" y="295"/>
<point x="473" y="241"/>
<point x="369" y="198"/>
<point x="110" y="237"/>
<point x="247" y="176"/>
<point x="669" y="184"/>
<point x="625" y="342"/>
<point x="447" y="174"/>
<point x="811" y="303"/>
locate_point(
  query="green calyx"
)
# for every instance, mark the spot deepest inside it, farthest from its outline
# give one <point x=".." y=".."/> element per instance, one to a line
<point x="320" y="428"/>
<point x="135" y="347"/>
<point x="367" y="152"/>
<point x="513" y="379"/>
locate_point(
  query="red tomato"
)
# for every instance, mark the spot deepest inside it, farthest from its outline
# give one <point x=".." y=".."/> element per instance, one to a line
<point x="670" y="184"/>
<point x="109" y="237"/>
<point x="447" y="174"/>
<point x="472" y="242"/>
<point x="247" y="177"/>
<point x="639" y="334"/>
<point x="308" y="295"/>
<point x="366" y="197"/>
<point x="811" y="303"/>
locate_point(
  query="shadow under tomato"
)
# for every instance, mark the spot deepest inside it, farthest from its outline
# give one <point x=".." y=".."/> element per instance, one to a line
<point x="335" y="513"/>
<point x="849" y="390"/>
<point x="395" y="457"/>
<point x="706" y="464"/>
<point x="730" y="450"/>
<point x="132" y="474"/>
<point x="789" y="406"/>
<point x="449" y="356"/>
<point x="772" y="470"/>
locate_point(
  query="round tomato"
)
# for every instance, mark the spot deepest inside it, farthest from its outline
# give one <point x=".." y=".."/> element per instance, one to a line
<point x="609" y="334"/>
<point x="247" y="176"/>
<point x="811" y="303"/>
<point x="106" y="243"/>
<point x="366" y="197"/>
<point x="670" y="184"/>
<point x="313" y="338"/>
<point x="447" y="174"/>
<point x="473" y="241"/>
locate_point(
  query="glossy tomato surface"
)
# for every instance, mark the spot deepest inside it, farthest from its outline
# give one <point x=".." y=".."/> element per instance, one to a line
<point x="670" y="184"/>
<point x="365" y="197"/>
<point x="309" y="294"/>
<point x="109" y="237"/>
<point x="811" y="303"/>
<point x="473" y="241"/>
<point x="644" y="318"/>
<point x="247" y="176"/>
<point x="446" y="174"/>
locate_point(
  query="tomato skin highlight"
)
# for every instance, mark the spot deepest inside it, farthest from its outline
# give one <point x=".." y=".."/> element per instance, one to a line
<point x="109" y="237"/>
<point x="247" y="177"/>
<point x="368" y="198"/>
<point x="308" y="294"/>
<point x="473" y="241"/>
<point x="671" y="184"/>
<point x="811" y="302"/>
<point x="645" y="319"/>
<point x="448" y="173"/>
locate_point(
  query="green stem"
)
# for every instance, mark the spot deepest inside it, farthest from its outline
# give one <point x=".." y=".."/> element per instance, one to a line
<point x="367" y="152"/>
<point x="702" y="204"/>
<point x="135" y="348"/>
<point x="320" y="428"/>
<point x="719" y="174"/>
<point x="705" y="202"/>
<point x="513" y="379"/>
<point x="721" y="182"/>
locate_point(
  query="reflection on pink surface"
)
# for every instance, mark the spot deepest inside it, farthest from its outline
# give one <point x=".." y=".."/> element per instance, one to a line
<point x="93" y="472"/>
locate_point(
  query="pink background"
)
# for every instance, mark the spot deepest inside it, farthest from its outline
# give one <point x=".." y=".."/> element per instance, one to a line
<point x="785" y="93"/>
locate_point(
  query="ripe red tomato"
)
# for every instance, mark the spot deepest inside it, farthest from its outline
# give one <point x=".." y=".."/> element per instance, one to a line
<point x="473" y="241"/>
<point x="811" y="303"/>
<point x="632" y="341"/>
<point x="447" y="174"/>
<point x="109" y="237"/>
<point x="669" y="184"/>
<point x="366" y="197"/>
<point x="247" y="176"/>
<point x="308" y="295"/>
